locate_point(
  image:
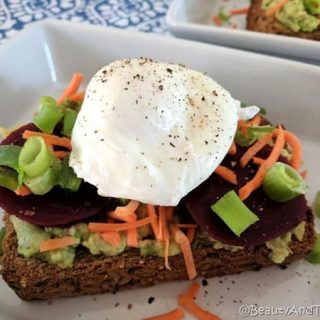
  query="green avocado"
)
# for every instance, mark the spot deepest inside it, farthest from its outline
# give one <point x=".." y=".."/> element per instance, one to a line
<point x="29" y="236"/>
<point x="294" y="15"/>
<point x="279" y="246"/>
<point x="97" y="245"/>
<point x="62" y="257"/>
<point x="156" y="248"/>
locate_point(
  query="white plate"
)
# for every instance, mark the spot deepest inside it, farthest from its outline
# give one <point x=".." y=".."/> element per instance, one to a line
<point x="41" y="61"/>
<point x="192" y="19"/>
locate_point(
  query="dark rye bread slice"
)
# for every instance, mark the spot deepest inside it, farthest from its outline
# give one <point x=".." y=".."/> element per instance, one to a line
<point x="34" y="279"/>
<point x="258" y="21"/>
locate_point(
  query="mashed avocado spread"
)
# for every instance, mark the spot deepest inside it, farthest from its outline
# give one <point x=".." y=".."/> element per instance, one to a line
<point x="294" y="15"/>
<point x="30" y="236"/>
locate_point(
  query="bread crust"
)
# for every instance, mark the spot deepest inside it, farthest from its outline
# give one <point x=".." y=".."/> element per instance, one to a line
<point x="258" y="21"/>
<point x="33" y="279"/>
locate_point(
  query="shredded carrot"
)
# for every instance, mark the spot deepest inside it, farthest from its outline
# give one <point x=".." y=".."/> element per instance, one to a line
<point x="181" y="239"/>
<point x="258" y="161"/>
<point x="151" y="212"/>
<point x="61" y="154"/>
<point x="169" y="212"/>
<point x="130" y="208"/>
<point x="233" y="149"/>
<point x="186" y="301"/>
<point x="275" y="8"/>
<point x="239" y="11"/>
<point x="256" y="182"/>
<point x="176" y="314"/>
<point x="23" y="191"/>
<point x="72" y="88"/>
<point x="217" y="21"/>
<point x="226" y="174"/>
<point x="243" y="126"/>
<point x="103" y="227"/>
<point x="77" y="97"/>
<point x="163" y="213"/>
<point x="49" y="138"/>
<point x="132" y="235"/>
<point x="129" y="218"/>
<point x="111" y="237"/>
<point x="295" y="144"/>
<point x="162" y="217"/>
<point x="254" y="149"/>
<point x="57" y="243"/>
<point x="190" y="234"/>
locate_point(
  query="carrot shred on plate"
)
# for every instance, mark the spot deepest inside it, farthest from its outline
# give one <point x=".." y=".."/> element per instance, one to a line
<point x="304" y="174"/>
<point x="57" y="243"/>
<point x="176" y="314"/>
<point x="217" y="21"/>
<point x="112" y="237"/>
<point x="275" y="8"/>
<point x="23" y="191"/>
<point x="72" y="87"/>
<point x="295" y="144"/>
<point x="257" y="180"/>
<point x="181" y="239"/>
<point x="49" y="139"/>
<point x="239" y="11"/>
<point x="226" y="174"/>
<point x="254" y="149"/>
<point x="233" y="149"/>
<point x="186" y="301"/>
<point x="151" y="212"/>
<point x="103" y="227"/>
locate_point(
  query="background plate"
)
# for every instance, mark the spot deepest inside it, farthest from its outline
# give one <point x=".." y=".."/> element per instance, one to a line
<point x="192" y="19"/>
<point x="41" y="61"/>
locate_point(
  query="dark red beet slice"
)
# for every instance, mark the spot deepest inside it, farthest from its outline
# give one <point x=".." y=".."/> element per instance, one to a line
<point x="275" y="218"/>
<point x="56" y="207"/>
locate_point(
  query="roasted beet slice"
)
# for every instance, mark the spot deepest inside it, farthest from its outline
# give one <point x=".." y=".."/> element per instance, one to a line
<point x="275" y="218"/>
<point x="56" y="207"/>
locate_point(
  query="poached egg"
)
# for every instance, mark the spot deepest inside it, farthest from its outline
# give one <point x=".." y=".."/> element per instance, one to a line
<point x="152" y="131"/>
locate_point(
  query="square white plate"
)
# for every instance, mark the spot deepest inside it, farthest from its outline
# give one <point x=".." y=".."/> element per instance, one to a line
<point x="41" y="61"/>
<point x="192" y="19"/>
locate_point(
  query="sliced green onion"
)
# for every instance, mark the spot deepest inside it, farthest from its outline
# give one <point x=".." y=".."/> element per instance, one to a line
<point x="43" y="183"/>
<point x="48" y="116"/>
<point x="314" y="255"/>
<point x="67" y="178"/>
<point x="8" y="179"/>
<point x="35" y="157"/>
<point x="282" y="183"/>
<point x="312" y="6"/>
<point x="2" y="235"/>
<point x="9" y="155"/>
<point x="243" y="140"/>
<point x="234" y="213"/>
<point x="259" y="132"/>
<point x="69" y="119"/>
<point x="317" y="204"/>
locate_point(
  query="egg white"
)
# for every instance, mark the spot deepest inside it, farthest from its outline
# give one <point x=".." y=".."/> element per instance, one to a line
<point x="151" y="131"/>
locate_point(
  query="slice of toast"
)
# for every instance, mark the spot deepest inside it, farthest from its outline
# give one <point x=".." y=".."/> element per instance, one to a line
<point x="33" y="279"/>
<point x="258" y="21"/>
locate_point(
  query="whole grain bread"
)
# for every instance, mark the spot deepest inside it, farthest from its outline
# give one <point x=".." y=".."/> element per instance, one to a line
<point x="258" y="21"/>
<point x="33" y="279"/>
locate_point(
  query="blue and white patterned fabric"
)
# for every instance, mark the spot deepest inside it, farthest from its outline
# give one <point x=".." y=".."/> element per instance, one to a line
<point x="142" y="15"/>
